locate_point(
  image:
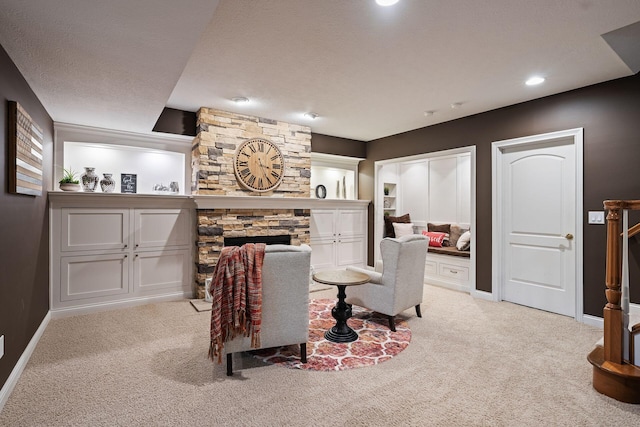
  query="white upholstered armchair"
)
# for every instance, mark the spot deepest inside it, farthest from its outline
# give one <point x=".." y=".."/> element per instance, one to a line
<point x="285" y="302"/>
<point x="400" y="284"/>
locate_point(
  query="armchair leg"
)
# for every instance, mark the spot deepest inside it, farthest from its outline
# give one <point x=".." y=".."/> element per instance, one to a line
<point x="303" y="352"/>
<point x="229" y="364"/>
<point x="392" y="323"/>
<point x="418" y="313"/>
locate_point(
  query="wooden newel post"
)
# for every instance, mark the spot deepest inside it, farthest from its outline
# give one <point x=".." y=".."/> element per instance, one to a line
<point x="613" y="339"/>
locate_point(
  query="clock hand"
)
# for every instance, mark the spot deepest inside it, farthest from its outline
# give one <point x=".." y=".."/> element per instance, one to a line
<point x="264" y="173"/>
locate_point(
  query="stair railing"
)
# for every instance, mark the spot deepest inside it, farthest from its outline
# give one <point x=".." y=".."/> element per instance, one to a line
<point x="615" y="330"/>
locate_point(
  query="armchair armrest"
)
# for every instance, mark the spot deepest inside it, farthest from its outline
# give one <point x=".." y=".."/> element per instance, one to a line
<point x="374" y="275"/>
<point x="378" y="266"/>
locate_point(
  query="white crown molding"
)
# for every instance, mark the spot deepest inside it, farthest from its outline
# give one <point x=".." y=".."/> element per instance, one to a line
<point x="79" y="133"/>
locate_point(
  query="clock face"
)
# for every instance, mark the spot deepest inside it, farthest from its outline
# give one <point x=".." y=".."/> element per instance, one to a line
<point x="259" y="165"/>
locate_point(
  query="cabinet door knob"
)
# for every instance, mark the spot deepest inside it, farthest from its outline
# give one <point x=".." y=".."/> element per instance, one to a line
<point x="137" y="245"/>
<point x="125" y="256"/>
<point x="126" y="246"/>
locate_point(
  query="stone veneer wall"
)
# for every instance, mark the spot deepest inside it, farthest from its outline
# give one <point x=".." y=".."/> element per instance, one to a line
<point x="219" y="134"/>
<point x="216" y="224"/>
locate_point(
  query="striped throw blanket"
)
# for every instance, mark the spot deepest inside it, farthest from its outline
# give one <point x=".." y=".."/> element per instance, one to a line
<point x="236" y="290"/>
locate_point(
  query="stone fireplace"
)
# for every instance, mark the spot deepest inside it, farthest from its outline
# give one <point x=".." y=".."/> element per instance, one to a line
<point x="233" y="211"/>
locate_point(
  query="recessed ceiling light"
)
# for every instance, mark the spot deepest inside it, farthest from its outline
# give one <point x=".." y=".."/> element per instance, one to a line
<point x="429" y="113"/>
<point x="240" y="100"/>
<point x="456" y="105"/>
<point x="387" y="2"/>
<point x="311" y="116"/>
<point x="534" y="81"/>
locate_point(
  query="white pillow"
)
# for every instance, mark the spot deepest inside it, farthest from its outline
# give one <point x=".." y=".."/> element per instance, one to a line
<point x="464" y="241"/>
<point x="402" y="228"/>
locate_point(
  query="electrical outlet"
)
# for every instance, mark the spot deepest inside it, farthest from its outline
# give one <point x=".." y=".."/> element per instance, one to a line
<point x="596" y="217"/>
<point x="1" y="346"/>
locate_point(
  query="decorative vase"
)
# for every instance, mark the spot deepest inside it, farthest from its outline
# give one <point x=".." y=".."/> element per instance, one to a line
<point x="344" y="187"/>
<point x="89" y="179"/>
<point x="107" y="183"/>
<point x="68" y="186"/>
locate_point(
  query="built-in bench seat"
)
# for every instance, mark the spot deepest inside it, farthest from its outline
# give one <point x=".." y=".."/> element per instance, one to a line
<point x="450" y="250"/>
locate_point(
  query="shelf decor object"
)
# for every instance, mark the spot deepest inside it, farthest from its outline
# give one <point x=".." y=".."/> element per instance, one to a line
<point x="128" y="183"/>
<point x="321" y="191"/>
<point x="25" y="152"/>
<point x="89" y="179"/>
<point x="69" y="182"/>
<point x="107" y="184"/>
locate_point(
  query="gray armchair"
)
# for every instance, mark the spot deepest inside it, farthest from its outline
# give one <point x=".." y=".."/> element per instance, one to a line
<point x="285" y="302"/>
<point x="400" y="283"/>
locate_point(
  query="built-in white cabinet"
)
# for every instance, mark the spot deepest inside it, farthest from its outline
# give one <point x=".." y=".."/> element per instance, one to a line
<point x="110" y="249"/>
<point x="449" y="271"/>
<point x="338" y="235"/>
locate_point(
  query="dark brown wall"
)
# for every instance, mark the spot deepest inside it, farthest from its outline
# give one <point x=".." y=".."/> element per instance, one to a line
<point x="24" y="231"/>
<point x="184" y="123"/>
<point x="610" y="115"/>
<point x="177" y="122"/>
<point x="339" y="146"/>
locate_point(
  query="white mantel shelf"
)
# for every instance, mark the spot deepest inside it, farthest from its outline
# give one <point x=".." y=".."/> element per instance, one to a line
<point x="201" y="202"/>
<point x="107" y="200"/>
<point x="250" y="202"/>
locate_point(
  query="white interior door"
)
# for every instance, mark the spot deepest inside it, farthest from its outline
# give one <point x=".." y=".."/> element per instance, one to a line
<point x="538" y="213"/>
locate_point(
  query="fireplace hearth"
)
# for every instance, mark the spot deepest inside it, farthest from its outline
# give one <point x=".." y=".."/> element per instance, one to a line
<point x="284" y="239"/>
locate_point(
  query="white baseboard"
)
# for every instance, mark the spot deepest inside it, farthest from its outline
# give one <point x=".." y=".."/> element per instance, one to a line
<point x="22" y="362"/>
<point x="590" y="320"/>
<point x="482" y="295"/>
<point x="443" y="284"/>
<point x="114" y="305"/>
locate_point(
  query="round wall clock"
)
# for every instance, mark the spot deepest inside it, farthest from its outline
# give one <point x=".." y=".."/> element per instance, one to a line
<point x="259" y="165"/>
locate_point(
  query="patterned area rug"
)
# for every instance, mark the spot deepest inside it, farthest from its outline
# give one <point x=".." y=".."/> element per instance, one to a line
<point x="375" y="344"/>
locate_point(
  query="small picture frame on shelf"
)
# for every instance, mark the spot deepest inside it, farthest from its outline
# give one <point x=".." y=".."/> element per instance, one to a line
<point x="128" y="183"/>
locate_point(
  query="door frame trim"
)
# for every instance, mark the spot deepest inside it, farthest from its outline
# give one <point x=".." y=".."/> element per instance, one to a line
<point x="497" y="249"/>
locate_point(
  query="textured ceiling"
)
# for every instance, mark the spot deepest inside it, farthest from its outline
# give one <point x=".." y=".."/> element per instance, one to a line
<point x="367" y="71"/>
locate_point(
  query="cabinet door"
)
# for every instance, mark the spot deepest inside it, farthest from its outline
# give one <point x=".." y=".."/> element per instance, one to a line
<point x="350" y="251"/>
<point x="161" y="270"/>
<point x="162" y="228"/>
<point x="93" y="276"/>
<point x="94" y="229"/>
<point x="322" y="223"/>
<point x="350" y="222"/>
<point x="323" y="254"/>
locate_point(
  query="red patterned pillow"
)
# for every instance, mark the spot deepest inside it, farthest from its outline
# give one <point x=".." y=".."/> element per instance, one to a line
<point x="436" y="239"/>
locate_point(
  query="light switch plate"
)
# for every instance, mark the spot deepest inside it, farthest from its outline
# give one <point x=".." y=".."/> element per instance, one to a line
<point x="596" y="217"/>
<point x="1" y="346"/>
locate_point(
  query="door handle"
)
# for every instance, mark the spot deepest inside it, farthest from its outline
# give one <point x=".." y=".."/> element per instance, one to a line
<point x="569" y="236"/>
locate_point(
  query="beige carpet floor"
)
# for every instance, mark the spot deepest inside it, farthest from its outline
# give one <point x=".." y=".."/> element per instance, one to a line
<point x="470" y="363"/>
